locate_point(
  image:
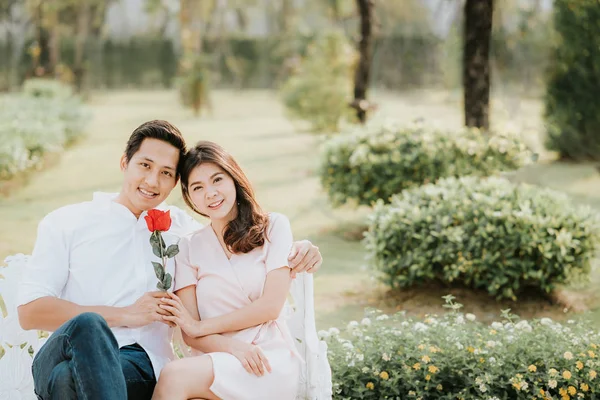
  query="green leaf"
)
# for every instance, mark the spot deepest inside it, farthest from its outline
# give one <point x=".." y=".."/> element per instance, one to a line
<point x="159" y="270"/>
<point x="156" y="250"/>
<point x="172" y="251"/>
<point x="168" y="279"/>
<point x="160" y="286"/>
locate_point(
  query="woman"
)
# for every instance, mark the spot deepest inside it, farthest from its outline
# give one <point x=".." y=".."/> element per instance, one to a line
<point x="232" y="278"/>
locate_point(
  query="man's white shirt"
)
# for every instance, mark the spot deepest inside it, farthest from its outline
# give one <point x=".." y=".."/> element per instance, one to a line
<point x="98" y="253"/>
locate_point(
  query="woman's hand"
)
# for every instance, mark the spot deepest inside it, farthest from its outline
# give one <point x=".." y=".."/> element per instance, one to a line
<point x="180" y="316"/>
<point x="252" y="358"/>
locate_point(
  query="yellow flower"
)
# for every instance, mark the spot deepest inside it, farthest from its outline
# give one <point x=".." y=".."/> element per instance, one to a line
<point x="428" y="377"/>
<point x="593" y="374"/>
<point x="370" y="386"/>
<point x="425" y="359"/>
<point x="439" y="387"/>
<point x="532" y="368"/>
<point x="542" y="392"/>
<point x="433" y="369"/>
<point x="591" y="354"/>
<point x="572" y="391"/>
<point x="417" y="366"/>
<point x="553" y="372"/>
<point x="470" y="349"/>
<point x="493" y="332"/>
<point x="566" y="375"/>
<point x="566" y="397"/>
<point x="579" y="365"/>
<point x="421" y="347"/>
<point x="384" y="375"/>
<point x="593" y="346"/>
<point x="482" y="360"/>
<point x="584" y="386"/>
<point x="517" y="385"/>
<point x="562" y="391"/>
<point x="434" y="349"/>
<point x="568" y="355"/>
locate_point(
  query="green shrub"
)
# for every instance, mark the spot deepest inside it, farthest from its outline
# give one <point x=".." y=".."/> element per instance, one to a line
<point x="30" y="127"/>
<point x="487" y="234"/>
<point x="572" y="102"/>
<point x="454" y="357"/>
<point x="320" y="90"/>
<point x="382" y="159"/>
<point x="47" y="88"/>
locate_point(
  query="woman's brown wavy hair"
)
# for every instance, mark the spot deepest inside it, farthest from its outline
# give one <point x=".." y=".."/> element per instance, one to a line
<point x="249" y="228"/>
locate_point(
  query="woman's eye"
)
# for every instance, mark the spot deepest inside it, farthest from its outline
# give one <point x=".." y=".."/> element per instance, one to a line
<point x="218" y="179"/>
<point x="167" y="173"/>
<point x="195" y="188"/>
<point x="145" y="165"/>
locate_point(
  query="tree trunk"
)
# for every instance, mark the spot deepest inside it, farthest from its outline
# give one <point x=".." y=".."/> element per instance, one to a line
<point x="83" y="24"/>
<point x="361" y="79"/>
<point x="53" y="42"/>
<point x="476" y="62"/>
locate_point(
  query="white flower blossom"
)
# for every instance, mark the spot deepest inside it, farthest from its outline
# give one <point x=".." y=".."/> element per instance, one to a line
<point x="471" y="317"/>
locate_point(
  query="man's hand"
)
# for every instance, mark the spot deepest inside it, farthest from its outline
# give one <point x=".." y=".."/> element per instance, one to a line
<point x="304" y="257"/>
<point x="252" y="358"/>
<point x="178" y="314"/>
<point x="146" y="310"/>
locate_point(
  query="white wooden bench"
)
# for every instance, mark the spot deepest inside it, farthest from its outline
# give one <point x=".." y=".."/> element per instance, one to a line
<point x="17" y="346"/>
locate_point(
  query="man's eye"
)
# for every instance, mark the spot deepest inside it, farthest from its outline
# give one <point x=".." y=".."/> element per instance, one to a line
<point x="145" y="165"/>
<point x="167" y="173"/>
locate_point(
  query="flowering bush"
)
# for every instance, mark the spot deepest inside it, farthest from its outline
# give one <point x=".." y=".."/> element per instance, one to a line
<point x="382" y="159"/>
<point x="455" y="357"/>
<point x="33" y="124"/>
<point x="485" y="233"/>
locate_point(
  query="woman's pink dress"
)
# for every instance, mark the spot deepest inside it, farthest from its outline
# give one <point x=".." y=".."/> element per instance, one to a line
<point x="224" y="285"/>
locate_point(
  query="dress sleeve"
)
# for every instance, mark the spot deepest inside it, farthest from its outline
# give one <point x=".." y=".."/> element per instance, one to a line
<point x="279" y="242"/>
<point x="185" y="273"/>
<point x="47" y="270"/>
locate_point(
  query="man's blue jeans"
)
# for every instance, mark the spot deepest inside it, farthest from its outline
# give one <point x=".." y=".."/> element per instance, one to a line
<point x="82" y="360"/>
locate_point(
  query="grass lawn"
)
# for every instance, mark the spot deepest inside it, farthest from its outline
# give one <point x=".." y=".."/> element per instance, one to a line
<point x="282" y="162"/>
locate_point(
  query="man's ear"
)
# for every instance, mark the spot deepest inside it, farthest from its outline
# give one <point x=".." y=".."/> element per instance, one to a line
<point x="124" y="162"/>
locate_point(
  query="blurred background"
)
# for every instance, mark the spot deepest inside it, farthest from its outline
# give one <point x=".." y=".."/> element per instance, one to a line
<point x="302" y="93"/>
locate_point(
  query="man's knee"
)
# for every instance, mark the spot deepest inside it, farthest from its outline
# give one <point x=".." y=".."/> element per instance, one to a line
<point x="90" y="320"/>
<point x="61" y="384"/>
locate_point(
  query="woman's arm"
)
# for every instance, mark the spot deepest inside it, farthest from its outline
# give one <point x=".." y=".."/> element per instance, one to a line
<point x="266" y="308"/>
<point x="251" y="357"/>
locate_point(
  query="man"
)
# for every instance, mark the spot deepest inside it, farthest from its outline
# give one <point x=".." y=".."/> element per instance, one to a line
<point x="90" y="281"/>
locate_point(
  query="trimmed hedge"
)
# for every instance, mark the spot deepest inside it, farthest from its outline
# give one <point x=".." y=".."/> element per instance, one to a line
<point x="382" y="159"/>
<point x="454" y="357"/>
<point x="486" y="234"/>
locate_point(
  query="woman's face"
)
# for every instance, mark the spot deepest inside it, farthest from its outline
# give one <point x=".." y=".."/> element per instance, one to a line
<point x="212" y="190"/>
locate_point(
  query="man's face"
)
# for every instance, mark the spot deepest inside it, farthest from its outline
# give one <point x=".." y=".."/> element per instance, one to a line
<point x="149" y="176"/>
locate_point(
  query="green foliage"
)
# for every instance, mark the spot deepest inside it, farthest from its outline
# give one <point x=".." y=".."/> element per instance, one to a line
<point x="47" y="88"/>
<point x="382" y="159"/>
<point x="455" y="357"/>
<point x="486" y="234"/>
<point x="194" y="82"/>
<point x="320" y="89"/>
<point x="43" y="119"/>
<point x="572" y="103"/>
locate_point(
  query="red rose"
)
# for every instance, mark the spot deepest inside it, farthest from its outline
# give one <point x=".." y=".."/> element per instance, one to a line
<point x="158" y="220"/>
